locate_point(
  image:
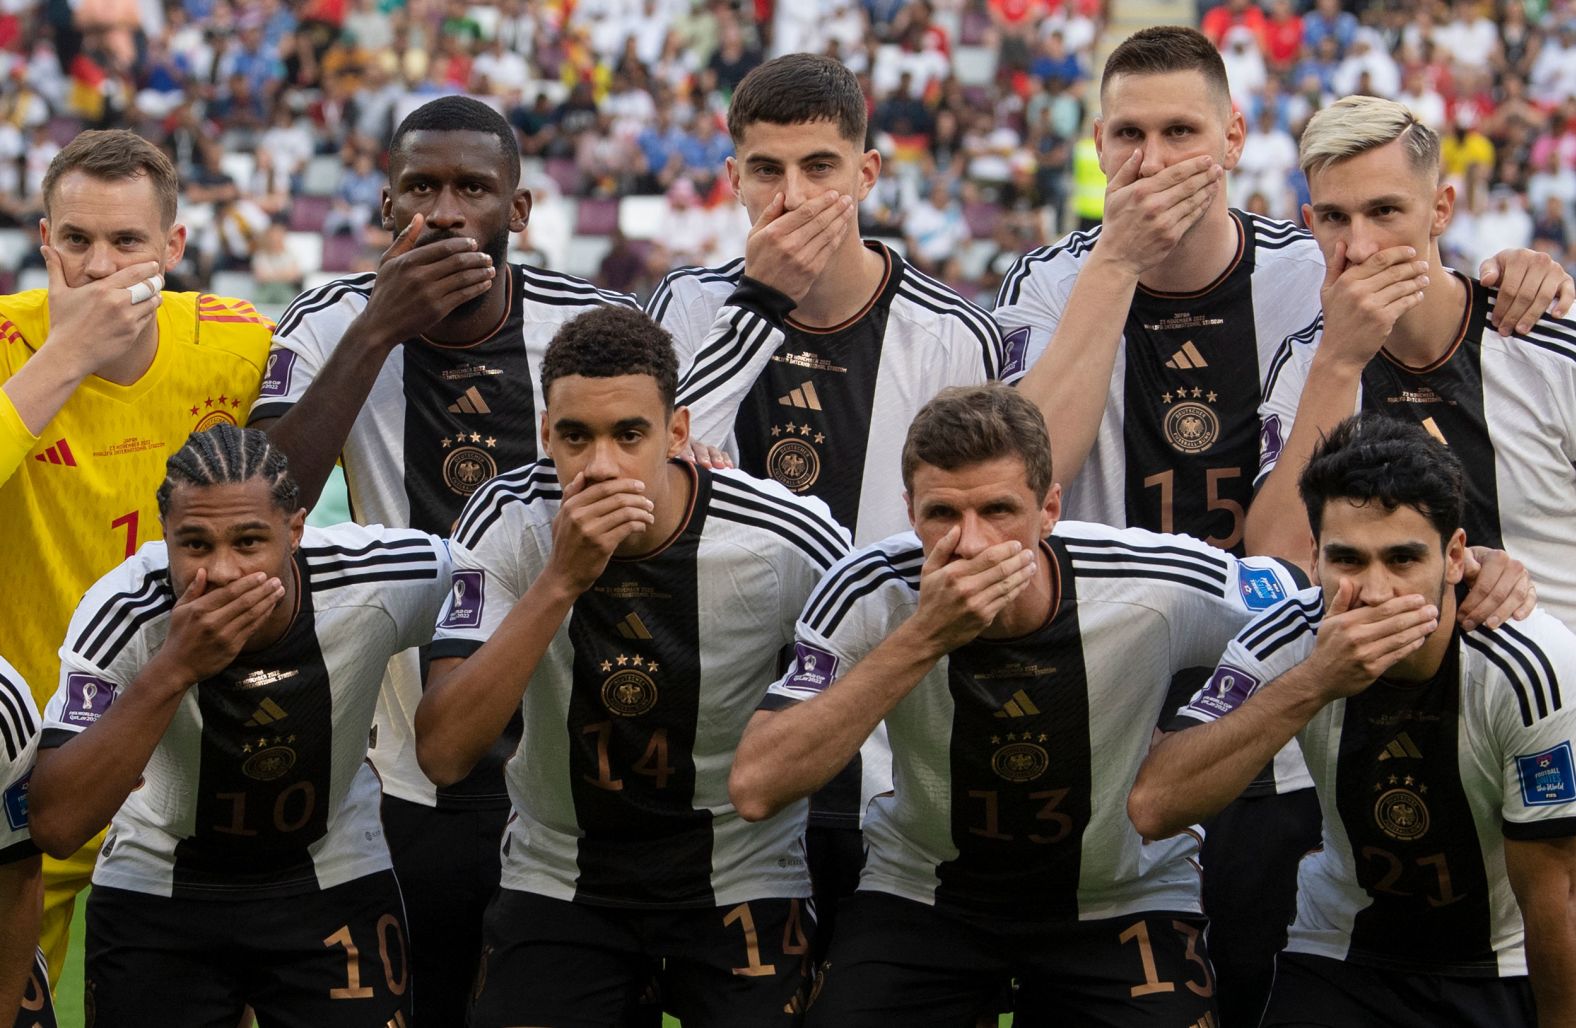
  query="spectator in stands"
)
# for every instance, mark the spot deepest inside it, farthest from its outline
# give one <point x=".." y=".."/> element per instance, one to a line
<point x="935" y="232"/>
<point x="1244" y="61"/>
<point x="1219" y="21"/>
<point x="275" y="268"/>
<point x="1283" y="34"/>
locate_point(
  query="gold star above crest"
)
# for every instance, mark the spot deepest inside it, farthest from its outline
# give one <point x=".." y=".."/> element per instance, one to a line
<point x="444" y="442"/>
<point x="607" y="666"/>
<point x="1042" y="737"/>
<point x="1197" y="392"/>
<point x="492" y="441"/>
<point x="1011" y="737"/>
<point x="804" y="429"/>
<point x="638" y="662"/>
<point x="1212" y="397"/>
<point x="476" y="437"/>
<point x="790" y="427"/>
<point x="651" y="666"/>
<point x="1166" y="397"/>
<point x="995" y="740"/>
<point x="246" y="748"/>
<point x="1393" y="779"/>
<point x="622" y="660"/>
<point x="261" y="743"/>
<point x="1409" y="780"/>
<point x="820" y="438"/>
<point x="776" y="431"/>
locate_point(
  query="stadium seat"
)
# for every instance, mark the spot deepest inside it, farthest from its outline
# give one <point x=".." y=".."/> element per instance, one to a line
<point x="641" y="217"/>
<point x="982" y="217"/>
<point x="233" y="283"/>
<point x="13" y="244"/>
<point x="597" y="216"/>
<point x="307" y="248"/>
<point x="307" y="213"/>
<point x="63" y="130"/>
<point x="340" y="253"/>
<point x="32" y="278"/>
<point x="584" y="255"/>
<point x="316" y="279"/>
<point x="974" y="65"/>
<point x="566" y="173"/>
<point x="322" y="174"/>
<point x="239" y="166"/>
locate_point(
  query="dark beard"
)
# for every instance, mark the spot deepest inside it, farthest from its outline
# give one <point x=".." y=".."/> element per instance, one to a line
<point x="496" y="247"/>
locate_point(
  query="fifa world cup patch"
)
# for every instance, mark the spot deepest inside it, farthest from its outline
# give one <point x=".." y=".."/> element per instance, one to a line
<point x="1548" y="778"/>
<point x="87" y="698"/>
<point x="465" y="601"/>
<point x="1270" y="441"/>
<point x="1225" y="691"/>
<point x="276" y="373"/>
<point x="1016" y="344"/>
<point x="1260" y="588"/>
<point x="813" y="668"/>
<point x="15" y="800"/>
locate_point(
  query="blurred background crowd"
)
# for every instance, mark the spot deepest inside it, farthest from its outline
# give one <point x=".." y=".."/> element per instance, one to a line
<point x="276" y="113"/>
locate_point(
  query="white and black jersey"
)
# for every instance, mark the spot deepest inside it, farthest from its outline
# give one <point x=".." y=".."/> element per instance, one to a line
<point x="1179" y="442"/>
<point x="439" y="422"/>
<point x="19" y="730"/>
<point x="1507" y="406"/>
<point x="260" y="784"/>
<point x="1420" y="784"/>
<point x="620" y="787"/>
<point x="823" y="411"/>
<point x="1013" y="758"/>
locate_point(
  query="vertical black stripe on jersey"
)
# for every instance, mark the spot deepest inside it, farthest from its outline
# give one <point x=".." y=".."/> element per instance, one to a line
<point x="814" y="441"/>
<point x="1406" y="815"/>
<point x="450" y="453"/>
<point x="1191" y="429"/>
<point x="264" y="770"/>
<point x="1451" y="397"/>
<point x="1021" y="772"/>
<point x="632" y="731"/>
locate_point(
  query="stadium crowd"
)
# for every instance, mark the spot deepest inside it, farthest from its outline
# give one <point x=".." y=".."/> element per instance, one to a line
<point x="275" y="113"/>
<point x="631" y="585"/>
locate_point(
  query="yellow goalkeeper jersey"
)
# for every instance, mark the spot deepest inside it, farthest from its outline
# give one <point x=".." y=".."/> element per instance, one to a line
<point x="78" y="499"/>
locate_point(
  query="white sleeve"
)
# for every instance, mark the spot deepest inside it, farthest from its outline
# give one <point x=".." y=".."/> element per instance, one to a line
<point x="19" y="728"/>
<point x="1266" y="648"/>
<point x="678" y="305"/>
<point x="1535" y="731"/>
<point x="739" y="345"/>
<point x="415" y="602"/>
<point x="106" y="646"/>
<point x="1282" y="392"/>
<point x="294" y="360"/>
<point x="1212" y="618"/>
<point x="483" y="587"/>
<point x="1029" y="307"/>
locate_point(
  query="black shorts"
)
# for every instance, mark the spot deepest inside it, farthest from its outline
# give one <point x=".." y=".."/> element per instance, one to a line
<point x="447" y="862"/>
<point x="551" y="962"/>
<point x="38" y="1008"/>
<point x="335" y="957"/>
<point x="1251" y="853"/>
<point x="898" y="962"/>
<point x="1320" y="992"/>
<point x="835" y="856"/>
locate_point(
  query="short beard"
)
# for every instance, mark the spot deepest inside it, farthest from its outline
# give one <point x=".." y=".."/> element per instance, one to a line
<point x="496" y="247"/>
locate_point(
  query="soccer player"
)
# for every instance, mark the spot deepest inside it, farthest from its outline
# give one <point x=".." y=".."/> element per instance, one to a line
<point x="802" y="356"/>
<point x="24" y="980"/>
<point x="216" y="692"/>
<point x="1504" y="402"/>
<point x="1019" y="672"/>
<point x="1442" y="759"/>
<point x="421" y="379"/>
<point x="631" y="606"/>
<point x="1149" y="343"/>
<point x="102" y="377"/>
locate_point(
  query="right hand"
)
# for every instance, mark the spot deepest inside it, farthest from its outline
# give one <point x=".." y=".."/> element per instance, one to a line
<point x="208" y="627"/>
<point x="958" y="599"/>
<point x="418" y="286"/>
<point x="1145" y="218"/>
<point x="1362" y="302"/>
<point x="1355" y="647"/>
<point x="97" y="320"/>
<point x="593" y="522"/>
<point x="788" y="250"/>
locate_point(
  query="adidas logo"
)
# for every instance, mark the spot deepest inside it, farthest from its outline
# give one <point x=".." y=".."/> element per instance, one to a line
<point x="633" y="628"/>
<point x="1401" y="746"/>
<point x="804" y="397"/>
<point x="266" y="713"/>
<point x="470" y="402"/>
<point x="1187" y="358"/>
<point x="1207" y="1021"/>
<point x="1432" y="427"/>
<point x="1019" y="706"/>
<point x="59" y="453"/>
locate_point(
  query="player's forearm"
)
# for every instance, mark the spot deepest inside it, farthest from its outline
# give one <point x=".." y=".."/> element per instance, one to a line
<point x="465" y="709"/>
<point x="1542" y="875"/>
<point x="43" y="385"/>
<point x="1551" y="964"/>
<point x="1072" y="378"/>
<point x="21" y="908"/>
<point x="1277" y="521"/>
<point x="314" y="430"/>
<point x="78" y="787"/>
<point x="1191" y="775"/>
<point x="789" y="754"/>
